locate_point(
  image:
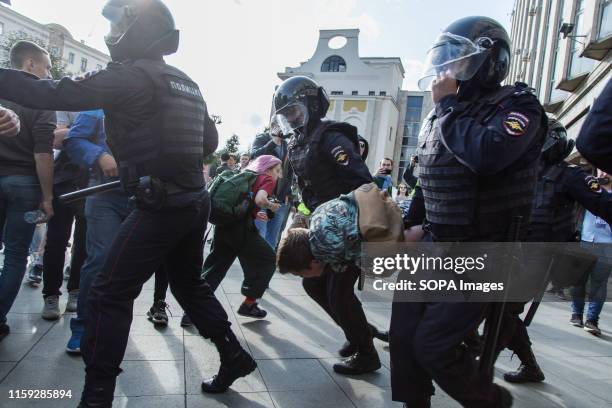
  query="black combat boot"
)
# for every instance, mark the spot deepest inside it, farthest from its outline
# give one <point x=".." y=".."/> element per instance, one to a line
<point x="377" y="334"/>
<point x="529" y="371"/>
<point x="235" y="363"/>
<point x="505" y="398"/>
<point x="365" y="360"/>
<point x="97" y="393"/>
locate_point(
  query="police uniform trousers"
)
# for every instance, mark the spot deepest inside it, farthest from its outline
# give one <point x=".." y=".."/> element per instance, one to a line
<point x="146" y="239"/>
<point x="427" y="343"/>
<point x="256" y="257"/>
<point x="513" y="333"/>
<point x="335" y="293"/>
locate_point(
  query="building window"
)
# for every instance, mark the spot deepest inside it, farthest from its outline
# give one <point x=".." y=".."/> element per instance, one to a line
<point x="54" y="51"/>
<point x="383" y="93"/>
<point x="71" y="58"/>
<point x="334" y="63"/>
<point x="337" y="93"/>
<point x="549" y="22"/>
<point x="83" y="64"/>
<point x="371" y="93"/>
<point x="412" y="127"/>
<point x="578" y="65"/>
<point x="554" y="94"/>
<point x="1" y="28"/>
<point x="605" y="22"/>
<point x="355" y="93"/>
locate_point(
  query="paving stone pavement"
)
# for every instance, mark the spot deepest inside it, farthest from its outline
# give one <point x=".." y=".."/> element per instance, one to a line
<point x="295" y="348"/>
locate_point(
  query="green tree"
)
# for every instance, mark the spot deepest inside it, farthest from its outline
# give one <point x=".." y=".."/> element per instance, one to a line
<point x="232" y="144"/>
<point x="58" y="69"/>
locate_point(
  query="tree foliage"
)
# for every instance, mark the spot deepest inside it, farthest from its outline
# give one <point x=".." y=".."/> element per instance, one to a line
<point x="232" y="144"/>
<point x="58" y="69"/>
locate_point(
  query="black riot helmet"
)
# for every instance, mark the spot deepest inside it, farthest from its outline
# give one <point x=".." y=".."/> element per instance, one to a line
<point x="139" y="29"/>
<point x="474" y="50"/>
<point x="298" y="101"/>
<point x="556" y="146"/>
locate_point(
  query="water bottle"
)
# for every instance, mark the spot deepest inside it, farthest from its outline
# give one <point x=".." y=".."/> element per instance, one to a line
<point x="34" y="217"/>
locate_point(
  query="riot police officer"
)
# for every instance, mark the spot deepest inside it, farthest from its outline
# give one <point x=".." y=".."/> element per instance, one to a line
<point x="477" y="154"/>
<point x="159" y="130"/>
<point x="326" y="160"/>
<point x="561" y="189"/>
<point x="594" y="139"/>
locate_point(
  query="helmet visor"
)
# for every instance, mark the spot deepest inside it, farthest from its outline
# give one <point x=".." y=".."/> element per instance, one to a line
<point x="291" y="117"/>
<point x="121" y="19"/>
<point x="454" y="56"/>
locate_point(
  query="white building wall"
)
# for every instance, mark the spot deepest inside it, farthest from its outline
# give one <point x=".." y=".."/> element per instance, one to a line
<point x="565" y="94"/>
<point x="375" y="116"/>
<point x="11" y="21"/>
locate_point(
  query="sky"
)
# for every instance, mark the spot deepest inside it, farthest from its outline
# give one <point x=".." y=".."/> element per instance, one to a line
<point x="234" y="49"/>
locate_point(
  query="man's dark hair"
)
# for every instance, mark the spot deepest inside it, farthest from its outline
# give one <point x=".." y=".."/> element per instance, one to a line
<point x="293" y="253"/>
<point x="23" y="50"/>
<point x="225" y="157"/>
<point x="245" y="154"/>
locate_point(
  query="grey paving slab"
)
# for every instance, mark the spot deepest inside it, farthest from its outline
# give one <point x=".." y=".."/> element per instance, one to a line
<point x="57" y="374"/>
<point x="372" y="397"/>
<point x="28" y="323"/>
<point x="231" y="399"/>
<point x="296" y="374"/>
<point x="141" y="378"/>
<point x="5" y="367"/>
<point x="308" y="399"/>
<point x="163" y="401"/>
<point x="154" y="348"/>
<point x="15" y="346"/>
<point x="282" y="339"/>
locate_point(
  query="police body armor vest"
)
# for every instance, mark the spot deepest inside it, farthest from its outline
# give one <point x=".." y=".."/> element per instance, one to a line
<point x="554" y="213"/>
<point x="462" y="205"/>
<point x="168" y="145"/>
<point x="316" y="177"/>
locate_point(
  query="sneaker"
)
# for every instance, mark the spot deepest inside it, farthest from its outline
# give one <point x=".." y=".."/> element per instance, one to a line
<point x="186" y="321"/>
<point x="157" y="313"/>
<point x="73" y="298"/>
<point x="74" y="344"/>
<point x="4" y="330"/>
<point x="67" y="273"/>
<point x="51" y="309"/>
<point x="252" y="310"/>
<point x="35" y="275"/>
<point x="576" y="320"/>
<point x="592" y="327"/>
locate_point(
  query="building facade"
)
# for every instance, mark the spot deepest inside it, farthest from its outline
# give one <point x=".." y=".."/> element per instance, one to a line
<point x="414" y="108"/>
<point x="77" y="56"/>
<point x="365" y="92"/>
<point x="562" y="49"/>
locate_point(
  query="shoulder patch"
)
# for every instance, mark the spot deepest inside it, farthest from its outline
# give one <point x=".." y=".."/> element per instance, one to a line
<point x="593" y="183"/>
<point x="515" y="124"/>
<point x="340" y="155"/>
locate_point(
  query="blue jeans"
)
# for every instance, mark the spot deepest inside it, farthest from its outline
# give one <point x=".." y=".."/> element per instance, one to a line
<point x="598" y="290"/>
<point x="18" y="195"/>
<point x="271" y="230"/>
<point x="104" y="214"/>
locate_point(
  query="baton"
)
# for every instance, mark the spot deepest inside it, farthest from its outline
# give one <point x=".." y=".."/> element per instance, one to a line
<point x="538" y="297"/>
<point x="496" y="312"/>
<point x="84" y="193"/>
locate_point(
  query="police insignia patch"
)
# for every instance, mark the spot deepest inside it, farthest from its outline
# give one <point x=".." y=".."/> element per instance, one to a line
<point x="515" y="124"/>
<point x="340" y="156"/>
<point x="593" y="184"/>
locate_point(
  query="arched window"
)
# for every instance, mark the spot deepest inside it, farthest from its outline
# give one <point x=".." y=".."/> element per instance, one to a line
<point x="334" y="63"/>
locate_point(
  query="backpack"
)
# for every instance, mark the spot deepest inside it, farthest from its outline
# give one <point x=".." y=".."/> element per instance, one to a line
<point x="231" y="197"/>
